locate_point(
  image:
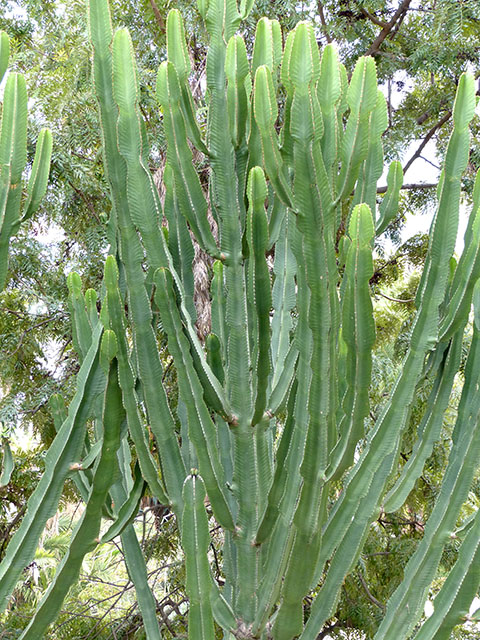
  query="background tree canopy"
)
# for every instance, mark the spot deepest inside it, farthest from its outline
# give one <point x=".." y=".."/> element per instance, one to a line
<point x="420" y="49"/>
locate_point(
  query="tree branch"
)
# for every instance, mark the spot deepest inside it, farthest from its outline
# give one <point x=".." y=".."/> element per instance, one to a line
<point x="158" y="15"/>
<point x="397" y="16"/>
<point x="321" y="13"/>
<point x="414" y="185"/>
<point x="377" y="293"/>
<point x="426" y="139"/>
<point x="370" y="595"/>
<point x="373" y="18"/>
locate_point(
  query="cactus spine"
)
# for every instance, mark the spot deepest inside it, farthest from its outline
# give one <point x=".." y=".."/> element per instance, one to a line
<point x="275" y="402"/>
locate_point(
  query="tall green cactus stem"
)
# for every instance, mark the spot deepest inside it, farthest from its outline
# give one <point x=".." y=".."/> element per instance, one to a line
<point x="85" y="536"/>
<point x="273" y="408"/>
<point x="64" y="452"/>
<point x="13" y="159"/>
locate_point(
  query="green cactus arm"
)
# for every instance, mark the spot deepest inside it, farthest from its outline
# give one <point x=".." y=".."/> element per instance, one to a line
<point x="143" y="203"/>
<point x="280" y="479"/>
<point x="137" y="570"/>
<point x="58" y="410"/>
<point x="361" y="97"/>
<point x="13" y="135"/>
<point x="221" y="610"/>
<point x="358" y="333"/>
<point x="276" y="559"/>
<point x="384" y="439"/>
<point x="101" y="34"/>
<point x="179" y="240"/>
<point x="177" y="53"/>
<point x="246" y="489"/>
<point x="277" y="212"/>
<point x="314" y="200"/>
<point x="195" y="543"/>
<point x="303" y="68"/>
<point x="13" y="152"/>
<point x="128" y="510"/>
<point x="279" y="393"/>
<point x="37" y="184"/>
<point x="64" y="451"/>
<point x="372" y="167"/>
<point x="276" y="525"/>
<point x="236" y="70"/>
<point x="217" y="291"/>
<point x="85" y="537"/>
<point x="444" y="228"/>
<point x="328" y="93"/>
<point x="81" y="329"/>
<point x="267" y="50"/>
<point x="266" y="111"/>
<point x="228" y="188"/>
<point x="200" y="426"/>
<point x="299" y="398"/>
<point x="429" y="428"/>
<point x="283" y="297"/>
<point x="150" y="370"/>
<point x="388" y="208"/>
<point x="300" y="568"/>
<point x="222" y="20"/>
<point x="264" y="435"/>
<point x="91" y="298"/>
<point x="345" y="558"/>
<point x="476" y="304"/>
<point x="452" y="603"/>
<point x="214" y="356"/>
<point x="4" y="53"/>
<point x="127" y="382"/>
<point x="245" y="7"/>
<point x="81" y="479"/>
<point x="459" y="296"/>
<point x="267" y="46"/>
<point x="406" y="604"/>
<point x="89" y="458"/>
<point x="189" y="192"/>
<point x="257" y="233"/>
<point x="470" y="232"/>
<point x="212" y="390"/>
<point x="225" y="449"/>
<point x="8" y="464"/>
<point x="4" y="189"/>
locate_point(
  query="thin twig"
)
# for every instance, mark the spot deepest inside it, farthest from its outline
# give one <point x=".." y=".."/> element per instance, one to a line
<point x="370" y="595"/>
<point x="377" y="293"/>
<point x="426" y="139"/>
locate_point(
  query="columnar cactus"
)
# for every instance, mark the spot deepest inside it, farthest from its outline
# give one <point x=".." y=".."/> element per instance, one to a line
<point x="276" y="400"/>
<point x="13" y="158"/>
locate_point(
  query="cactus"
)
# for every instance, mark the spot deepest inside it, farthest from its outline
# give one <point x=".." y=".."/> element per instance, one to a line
<point x="13" y="159"/>
<point x="273" y="406"/>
